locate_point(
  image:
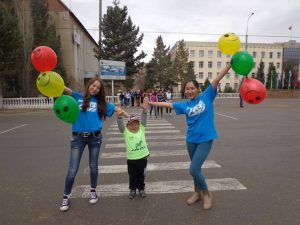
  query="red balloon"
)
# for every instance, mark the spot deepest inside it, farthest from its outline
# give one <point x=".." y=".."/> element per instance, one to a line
<point x="252" y="91"/>
<point x="43" y="58"/>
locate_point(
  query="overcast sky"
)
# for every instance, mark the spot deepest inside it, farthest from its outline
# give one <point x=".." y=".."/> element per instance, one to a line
<point x="191" y="20"/>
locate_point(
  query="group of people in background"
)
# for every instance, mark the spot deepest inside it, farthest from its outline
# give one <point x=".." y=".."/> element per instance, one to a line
<point x="135" y="98"/>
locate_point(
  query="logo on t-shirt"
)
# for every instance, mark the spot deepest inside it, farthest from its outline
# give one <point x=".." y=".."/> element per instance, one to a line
<point x="92" y="108"/>
<point x="197" y="109"/>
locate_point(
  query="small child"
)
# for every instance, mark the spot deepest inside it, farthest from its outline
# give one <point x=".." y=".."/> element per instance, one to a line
<point x="136" y="149"/>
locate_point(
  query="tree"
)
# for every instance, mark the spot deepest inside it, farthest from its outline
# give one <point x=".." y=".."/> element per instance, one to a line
<point x="10" y="50"/>
<point x="120" y="40"/>
<point x="260" y="75"/>
<point x="206" y="84"/>
<point x="159" y="70"/>
<point x="271" y="77"/>
<point x="44" y="33"/>
<point x="183" y="69"/>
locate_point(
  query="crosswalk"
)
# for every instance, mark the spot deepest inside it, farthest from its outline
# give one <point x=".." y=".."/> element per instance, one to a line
<point x="164" y="141"/>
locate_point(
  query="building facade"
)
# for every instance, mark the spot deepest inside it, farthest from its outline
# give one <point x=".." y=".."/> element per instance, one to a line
<point x="208" y="60"/>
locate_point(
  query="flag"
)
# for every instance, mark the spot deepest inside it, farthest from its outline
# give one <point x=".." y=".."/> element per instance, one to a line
<point x="290" y="27"/>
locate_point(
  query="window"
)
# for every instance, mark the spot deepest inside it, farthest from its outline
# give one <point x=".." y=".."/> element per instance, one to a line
<point x="219" y="64"/>
<point x="192" y="53"/>
<point x="201" y="63"/>
<point x="254" y="54"/>
<point x="210" y="53"/>
<point x="201" y="75"/>
<point x="263" y="54"/>
<point x="210" y="64"/>
<point x="254" y="64"/>
<point x="227" y="75"/>
<point x="236" y="76"/>
<point x="193" y="64"/>
<point x="219" y="54"/>
<point x="210" y="75"/>
<point x="278" y="55"/>
<point x="227" y="85"/>
<point x="277" y="65"/>
<point x="236" y="86"/>
<point x="201" y="53"/>
<point x="271" y="55"/>
<point x="253" y="75"/>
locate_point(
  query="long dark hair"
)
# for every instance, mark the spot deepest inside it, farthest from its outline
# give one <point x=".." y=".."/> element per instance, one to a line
<point x="196" y="84"/>
<point x="101" y="98"/>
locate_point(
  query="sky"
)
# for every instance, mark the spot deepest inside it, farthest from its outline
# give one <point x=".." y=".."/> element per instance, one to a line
<point x="196" y="20"/>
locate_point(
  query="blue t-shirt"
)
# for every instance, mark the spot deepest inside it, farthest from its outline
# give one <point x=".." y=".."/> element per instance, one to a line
<point x="89" y="121"/>
<point x="199" y="114"/>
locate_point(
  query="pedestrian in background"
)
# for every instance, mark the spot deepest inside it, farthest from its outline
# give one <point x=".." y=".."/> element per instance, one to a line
<point x="169" y="97"/>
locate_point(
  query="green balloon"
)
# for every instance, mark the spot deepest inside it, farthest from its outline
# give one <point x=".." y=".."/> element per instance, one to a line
<point x="66" y="108"/>
<point x="242" y="63"/>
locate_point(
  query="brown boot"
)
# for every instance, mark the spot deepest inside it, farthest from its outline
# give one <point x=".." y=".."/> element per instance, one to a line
<point x="207" y="199"/>
<point x="195" y="197"/>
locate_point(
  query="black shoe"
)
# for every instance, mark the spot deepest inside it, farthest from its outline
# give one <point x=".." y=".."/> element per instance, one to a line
<point x="142" y="193"/>
<point x="65" y="204"/>
<point x="132" y="194"/>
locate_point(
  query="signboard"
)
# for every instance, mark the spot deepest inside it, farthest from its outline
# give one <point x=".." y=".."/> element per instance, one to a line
<point x="112" y="70"/>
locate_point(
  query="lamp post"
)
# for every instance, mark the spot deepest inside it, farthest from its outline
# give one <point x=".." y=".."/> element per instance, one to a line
<point x="246" y="44"/>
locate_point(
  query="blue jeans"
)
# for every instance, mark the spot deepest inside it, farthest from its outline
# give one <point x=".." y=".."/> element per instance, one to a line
<point x="198" y="153"/>
<point x="78" y="144"/>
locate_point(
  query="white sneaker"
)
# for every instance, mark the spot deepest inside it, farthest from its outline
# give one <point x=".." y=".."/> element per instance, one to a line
<point x="93" y="197"/>
<point x="65" y="204"/>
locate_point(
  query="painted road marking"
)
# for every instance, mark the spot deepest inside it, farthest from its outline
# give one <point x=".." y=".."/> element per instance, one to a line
<point x="165" y="137"/>
<point x="147" y="132"/>
<point x="153" y="167"/>
<point x="227" y="116"/>
<point x="149" y="144"/>
<point x="6" y="131"/>
<point x="158" y="187"/>
<point x="148" y="128"/>
<point x="113" y="155"/>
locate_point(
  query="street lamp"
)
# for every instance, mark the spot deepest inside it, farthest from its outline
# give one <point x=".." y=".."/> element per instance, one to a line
<point x="246" y="44"/>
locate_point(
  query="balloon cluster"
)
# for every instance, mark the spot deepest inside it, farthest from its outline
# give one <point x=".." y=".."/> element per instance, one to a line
<point x="51" y="84"/>
<point x="252" y="91"/>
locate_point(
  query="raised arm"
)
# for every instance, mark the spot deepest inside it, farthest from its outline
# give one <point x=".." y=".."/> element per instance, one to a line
<point x="222" y="73"/>
<point x="162" y="104"/>
<point x="120" y="112"/>
<point x="68" y="91"/>
<point x="144" y="112"/>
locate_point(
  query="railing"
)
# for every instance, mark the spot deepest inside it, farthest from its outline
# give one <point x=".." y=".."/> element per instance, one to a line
<point x="47" y="103"/>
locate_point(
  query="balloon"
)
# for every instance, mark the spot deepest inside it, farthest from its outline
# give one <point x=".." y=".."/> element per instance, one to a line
<point x="229" y="43"/>
<point x="66" y="108"/>
<point x="50" y="84"/>
<point x="252" y="91"/>
<point x="242" y="63"/>
<point x="43" y="58"/>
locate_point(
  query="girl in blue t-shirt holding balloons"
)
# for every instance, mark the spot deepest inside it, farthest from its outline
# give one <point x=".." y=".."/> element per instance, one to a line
<point x="86" y="130"/>
<point x="201" y="132"/>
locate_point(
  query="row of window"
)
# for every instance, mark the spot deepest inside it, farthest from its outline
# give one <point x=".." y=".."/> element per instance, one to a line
<point x="235" y="87"/>
<point x="219" y="64"/>
<point x="210" y="75"/>
<point x="219" y="54"/>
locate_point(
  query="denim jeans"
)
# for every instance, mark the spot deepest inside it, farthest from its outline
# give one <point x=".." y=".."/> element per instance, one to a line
<point x="78" y="144"/>
<point x="198" y="153"/>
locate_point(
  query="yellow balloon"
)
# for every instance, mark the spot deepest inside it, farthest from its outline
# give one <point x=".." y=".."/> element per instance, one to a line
<point x="50" y="84"/>
<point x="229" y="43"/>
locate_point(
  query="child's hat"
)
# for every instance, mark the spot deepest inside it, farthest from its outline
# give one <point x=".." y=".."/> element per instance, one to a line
<point x="132" y="118"/>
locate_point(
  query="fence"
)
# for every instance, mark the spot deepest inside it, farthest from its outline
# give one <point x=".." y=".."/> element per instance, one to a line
<point x="47" y="103"/>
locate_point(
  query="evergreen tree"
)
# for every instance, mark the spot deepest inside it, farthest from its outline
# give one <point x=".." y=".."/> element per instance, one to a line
<point x="159" y="70"/>
<point x="120" y="40"/>
<point x="271" y="77"/>
<point x="183" y="69"/>
<point x="44" y="33"/>
<point x="206" y="84"/>
<point x="10" y="51"/>
<point x="260" y="72"/>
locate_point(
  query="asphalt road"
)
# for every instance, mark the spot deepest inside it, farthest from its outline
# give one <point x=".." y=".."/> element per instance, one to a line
<point x="258" y="146"/>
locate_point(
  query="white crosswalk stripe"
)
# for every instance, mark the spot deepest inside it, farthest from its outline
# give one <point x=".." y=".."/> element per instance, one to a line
<point x="163" y="140"/>
<point x="159" y="187"/>
<point x="153" y="167"/>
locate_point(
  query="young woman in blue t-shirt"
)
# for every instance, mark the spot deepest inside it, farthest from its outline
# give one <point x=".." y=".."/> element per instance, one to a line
<point x="201" y="132"/>
<point x="86" y="130"/>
